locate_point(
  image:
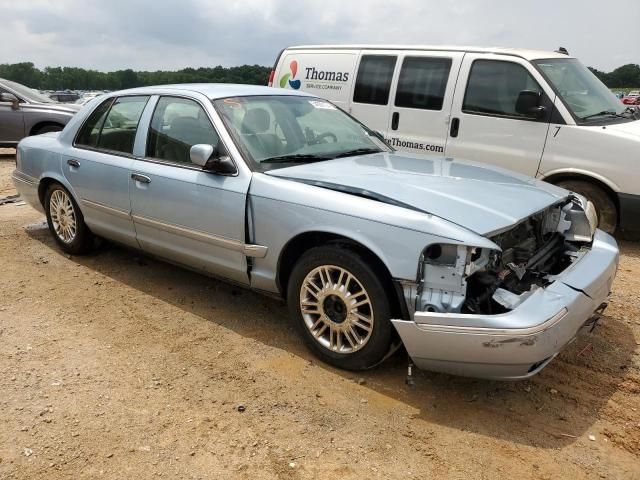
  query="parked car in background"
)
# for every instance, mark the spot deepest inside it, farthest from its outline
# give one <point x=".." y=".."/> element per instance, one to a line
<point x="23" y="112"/>
<point x="633" y="98"/>
<point x="66" y="96"/>
<point x="87" y="96"/>
<point x="533" y="112"/>
<point x="482" y="271"/>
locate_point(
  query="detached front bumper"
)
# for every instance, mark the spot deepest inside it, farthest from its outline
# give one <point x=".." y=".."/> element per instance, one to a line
<point x="517" y="344"/>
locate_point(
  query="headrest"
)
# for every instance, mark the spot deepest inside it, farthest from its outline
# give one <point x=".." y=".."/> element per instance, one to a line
<point x="256" y="120"/>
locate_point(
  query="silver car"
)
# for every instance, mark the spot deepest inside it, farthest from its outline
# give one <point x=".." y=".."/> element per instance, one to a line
<point x="476" y="270"/>
<point x="24" y="112"/>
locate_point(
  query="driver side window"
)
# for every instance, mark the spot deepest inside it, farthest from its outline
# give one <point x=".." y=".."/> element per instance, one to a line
<point x="177" y="125"/>
<point x="494" y="86"/>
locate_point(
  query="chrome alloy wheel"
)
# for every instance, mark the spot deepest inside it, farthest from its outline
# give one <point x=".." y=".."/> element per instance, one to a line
<point x="63" y="216"/>
<point x="336" y="309"/>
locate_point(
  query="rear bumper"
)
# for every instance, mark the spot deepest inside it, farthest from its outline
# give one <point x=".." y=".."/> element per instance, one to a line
<point x="629" y="213"/>
<point x="27" y="188"/>
<point x="517" y="344"/>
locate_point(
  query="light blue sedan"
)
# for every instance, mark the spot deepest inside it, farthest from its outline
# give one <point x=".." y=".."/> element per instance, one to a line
<point x="477" y="271"/>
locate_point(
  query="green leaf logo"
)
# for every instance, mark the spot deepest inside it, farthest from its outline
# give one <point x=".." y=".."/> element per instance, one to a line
<point x="284" y="79"/>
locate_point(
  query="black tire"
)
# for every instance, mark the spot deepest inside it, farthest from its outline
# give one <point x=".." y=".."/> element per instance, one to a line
<point x="82" y="240"/>
<point x="605" y="207"/>
<point x="370" y="351"/>
<point x="48" y="128"/>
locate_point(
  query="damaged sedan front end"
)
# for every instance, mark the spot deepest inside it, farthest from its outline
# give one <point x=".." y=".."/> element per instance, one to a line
<point x="506" y="312"/>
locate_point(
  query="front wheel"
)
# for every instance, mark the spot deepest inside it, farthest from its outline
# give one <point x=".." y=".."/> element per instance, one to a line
<point x="341" y="307"/>
<point x="65" y="221"/>
<point x="605" y="207"/>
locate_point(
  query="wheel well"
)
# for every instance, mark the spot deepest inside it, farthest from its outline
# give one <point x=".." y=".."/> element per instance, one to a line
<point x="297" y="246"/>
<point x="43" y="186"/>
<point x="38" y="126"/>
<point x="560" y="177"/>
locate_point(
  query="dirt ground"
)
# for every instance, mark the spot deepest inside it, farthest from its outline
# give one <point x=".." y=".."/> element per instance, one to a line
<point x="117" y="366"/>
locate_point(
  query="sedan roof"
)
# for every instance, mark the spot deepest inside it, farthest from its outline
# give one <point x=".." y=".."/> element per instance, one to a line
<point x="213" y="90"/>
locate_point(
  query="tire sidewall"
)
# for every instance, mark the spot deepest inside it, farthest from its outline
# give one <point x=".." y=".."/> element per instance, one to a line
<point x="380" y="340"/>
<point x="605" y="207"/>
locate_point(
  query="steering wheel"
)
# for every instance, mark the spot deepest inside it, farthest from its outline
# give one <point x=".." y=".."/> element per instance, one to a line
<point x="321" y="138"/>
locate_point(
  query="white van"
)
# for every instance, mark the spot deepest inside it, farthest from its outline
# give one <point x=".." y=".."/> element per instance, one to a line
<point x="539" y="113"/>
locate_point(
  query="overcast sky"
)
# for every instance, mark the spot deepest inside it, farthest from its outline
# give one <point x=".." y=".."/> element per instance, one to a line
<point x="167" y="34"/>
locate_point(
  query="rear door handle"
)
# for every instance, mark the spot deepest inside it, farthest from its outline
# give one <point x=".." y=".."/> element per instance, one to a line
<point x="140" y="178"/>
<point x="395" y="119"/>
<point x="455" y="127"/>
<point x="73" y="163"/>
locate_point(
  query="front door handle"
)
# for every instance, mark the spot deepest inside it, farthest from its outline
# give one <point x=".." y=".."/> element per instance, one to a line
<point x="73" y="163"/>
<point x="455" y="127"/>
<point x="140" y="178"/>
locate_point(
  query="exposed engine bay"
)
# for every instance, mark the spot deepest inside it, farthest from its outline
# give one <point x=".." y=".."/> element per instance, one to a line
<point x="464" y="279"/>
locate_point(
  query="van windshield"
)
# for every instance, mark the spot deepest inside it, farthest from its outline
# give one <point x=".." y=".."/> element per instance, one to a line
<point x="280" y="130"/>
<point x="583" y="93"/>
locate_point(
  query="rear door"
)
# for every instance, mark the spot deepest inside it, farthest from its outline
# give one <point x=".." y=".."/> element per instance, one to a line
<point x="485" y="125"/>
<point x="423" y="95"/>
<point x="98" y="166"/>
<point x="371" y="99"/>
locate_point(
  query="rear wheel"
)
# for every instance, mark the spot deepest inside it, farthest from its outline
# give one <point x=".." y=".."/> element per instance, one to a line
<point x="605" y="207"/>
<point x="341" y="308"/>
<point x="65" y="221"/>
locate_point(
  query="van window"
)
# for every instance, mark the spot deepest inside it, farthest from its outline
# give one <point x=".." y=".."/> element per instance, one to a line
<point x="423" y="82"/>
<point x="494" y="86"/>
<point x="374" y="79"/>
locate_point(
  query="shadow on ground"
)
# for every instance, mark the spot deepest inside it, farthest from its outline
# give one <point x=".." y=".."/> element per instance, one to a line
<point x="549" y="411"/>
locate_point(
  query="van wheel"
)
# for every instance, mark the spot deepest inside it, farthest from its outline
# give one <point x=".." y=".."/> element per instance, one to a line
<point x="605" y="207"/>
<point x="341" y="308"/>
<point x="65" y="221"/>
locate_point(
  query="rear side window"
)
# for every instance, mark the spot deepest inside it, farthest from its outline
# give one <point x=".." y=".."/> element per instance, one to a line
<point x="423" y="82"/>
<point x="119" y="128"/>
<point x="494" y="86"/>
<point x="177" y="125"/>
<point x="88" y="136"/>
<point x="374" y="79"/>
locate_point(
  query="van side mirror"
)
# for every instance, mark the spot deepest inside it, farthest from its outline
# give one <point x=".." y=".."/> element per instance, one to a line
<point x="10" y="98"/>
<point x="528" y="104"/>
<point x="212" y="159"/>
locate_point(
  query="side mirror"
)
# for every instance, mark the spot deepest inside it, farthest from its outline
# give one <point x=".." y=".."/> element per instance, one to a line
<point x="212" y="159"/>
<point x="10" y="97"/>
<point x="528" y="104"/>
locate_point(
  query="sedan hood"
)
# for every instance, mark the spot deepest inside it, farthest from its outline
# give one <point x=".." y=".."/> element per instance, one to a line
<point x="479" y="197"/>
<point x="70" y="108"/>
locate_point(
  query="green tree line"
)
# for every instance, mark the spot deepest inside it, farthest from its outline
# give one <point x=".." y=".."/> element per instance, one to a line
<point x="58" y="78"/>
<point x="624" y="76"/>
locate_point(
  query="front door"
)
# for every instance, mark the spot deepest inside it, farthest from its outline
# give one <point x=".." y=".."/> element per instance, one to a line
<point x="98" y="166"/>
<point x="485" y="125"/>
<point x="11" y="122"/>
<point x="182" y="212"/>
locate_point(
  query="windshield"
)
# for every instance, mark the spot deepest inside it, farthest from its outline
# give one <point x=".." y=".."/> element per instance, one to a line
<point x="27" y="93"/>
<point x="277" y="129"/>
<point x="582" y="92"/>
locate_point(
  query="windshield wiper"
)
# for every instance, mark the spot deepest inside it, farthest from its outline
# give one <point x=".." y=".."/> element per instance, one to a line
<point x="357" y="151"/>
<point x="603" y="113"/>
<point x="295" y="158"/>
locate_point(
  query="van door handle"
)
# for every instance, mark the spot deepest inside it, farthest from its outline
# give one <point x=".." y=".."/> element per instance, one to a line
<point x="73" y="163"/>
<point x="395" y="119"/>
<point x="140" y="178"/>
<point x="455" y="127"/>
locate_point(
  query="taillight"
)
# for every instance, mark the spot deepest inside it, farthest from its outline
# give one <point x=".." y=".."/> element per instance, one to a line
<point x="271" y="76"/>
